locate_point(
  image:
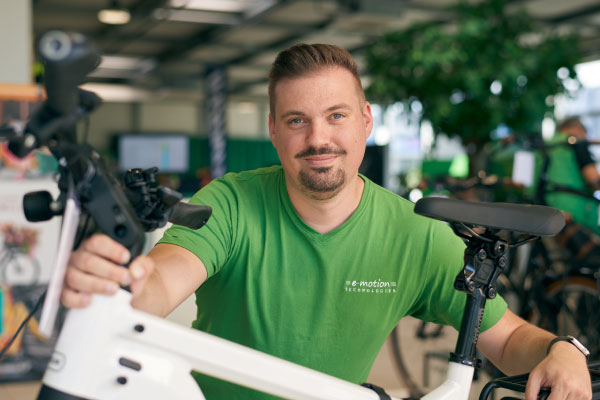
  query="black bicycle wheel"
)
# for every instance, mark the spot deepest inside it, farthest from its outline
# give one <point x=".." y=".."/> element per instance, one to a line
<point x="420" y="354"/>
<point x="413" y="388"/>
<point x="570" y="307"/>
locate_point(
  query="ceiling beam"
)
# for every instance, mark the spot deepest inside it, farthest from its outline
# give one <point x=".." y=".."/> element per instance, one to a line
<point x="574" y="15"/>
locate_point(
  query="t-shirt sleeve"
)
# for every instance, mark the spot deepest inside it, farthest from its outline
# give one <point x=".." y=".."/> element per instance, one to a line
<point x="583" y="154"/>
<point x="439" y="302"/>
<point x="213" y="242"/>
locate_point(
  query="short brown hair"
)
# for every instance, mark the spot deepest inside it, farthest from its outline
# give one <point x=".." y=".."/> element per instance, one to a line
<point x="569" y="123"/>
<point x="302" y="59"/>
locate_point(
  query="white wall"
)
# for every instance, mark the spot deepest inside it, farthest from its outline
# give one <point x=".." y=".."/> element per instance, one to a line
<point x="245" y="119"/>
<point x="166" y="117"/>
<point x="108" y="118"/>
<point x="15" y="41"/>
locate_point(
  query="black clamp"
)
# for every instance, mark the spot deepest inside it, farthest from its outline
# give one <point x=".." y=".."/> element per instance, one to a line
<point x="382" y="394"/>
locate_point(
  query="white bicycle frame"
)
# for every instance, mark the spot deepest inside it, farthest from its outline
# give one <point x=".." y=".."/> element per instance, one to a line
<point x="109" y="350"/>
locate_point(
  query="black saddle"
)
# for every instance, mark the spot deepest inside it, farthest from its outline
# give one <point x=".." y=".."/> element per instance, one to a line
<point x="523" y="218"/>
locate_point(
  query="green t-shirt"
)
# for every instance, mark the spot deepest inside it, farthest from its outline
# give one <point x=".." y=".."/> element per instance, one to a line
<point x="564" y="170"/>
<point x="326" y="301"/>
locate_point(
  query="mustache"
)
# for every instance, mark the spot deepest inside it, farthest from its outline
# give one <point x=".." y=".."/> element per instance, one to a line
<point x="311" y="151"/>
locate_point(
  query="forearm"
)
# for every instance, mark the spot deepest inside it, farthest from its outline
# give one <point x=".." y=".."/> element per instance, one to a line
<point x="591" y="175"/>
<point x="514" y="345"/>
<point x="525" y="348"/>
<point x="153" y="297"/>
<point x="177" y="273"/>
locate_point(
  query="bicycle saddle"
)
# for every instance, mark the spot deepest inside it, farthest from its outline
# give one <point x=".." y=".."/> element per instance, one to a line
<point x="523" y="218"/>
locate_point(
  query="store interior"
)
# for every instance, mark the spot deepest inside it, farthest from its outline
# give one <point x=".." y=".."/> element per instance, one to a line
<point x="166" y="63"/>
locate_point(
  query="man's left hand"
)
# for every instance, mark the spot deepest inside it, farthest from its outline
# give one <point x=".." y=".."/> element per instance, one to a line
<point x="564" y="371"/>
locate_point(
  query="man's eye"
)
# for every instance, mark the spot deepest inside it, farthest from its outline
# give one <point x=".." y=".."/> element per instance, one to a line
<point x="296" y="121"/>
<point x="337" y="116"/>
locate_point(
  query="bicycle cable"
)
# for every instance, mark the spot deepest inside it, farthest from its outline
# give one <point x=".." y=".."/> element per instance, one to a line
<point x="42" y="297"/>
<point x="25" y="321"/>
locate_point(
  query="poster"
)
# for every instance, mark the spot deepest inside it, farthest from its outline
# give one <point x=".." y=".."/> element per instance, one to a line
<point x="27" y="252"/>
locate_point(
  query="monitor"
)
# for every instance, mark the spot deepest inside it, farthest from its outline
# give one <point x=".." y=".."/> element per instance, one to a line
<point x="170" y="153"/>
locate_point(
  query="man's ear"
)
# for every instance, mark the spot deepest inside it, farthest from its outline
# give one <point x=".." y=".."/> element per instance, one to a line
<point x="368" y="119"/>
<point x="272" y="129"/>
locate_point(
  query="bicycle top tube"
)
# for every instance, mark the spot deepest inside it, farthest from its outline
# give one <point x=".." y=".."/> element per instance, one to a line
<point x="523" y="218"/>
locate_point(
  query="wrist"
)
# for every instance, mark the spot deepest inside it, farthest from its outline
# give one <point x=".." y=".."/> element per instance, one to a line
<point x="564" y="341"/>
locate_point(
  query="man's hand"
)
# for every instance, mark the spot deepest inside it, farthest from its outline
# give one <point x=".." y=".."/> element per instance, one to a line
<point x="516" y="347"/>
<point x="97" y="267"/>
<point x="564" y="371"/>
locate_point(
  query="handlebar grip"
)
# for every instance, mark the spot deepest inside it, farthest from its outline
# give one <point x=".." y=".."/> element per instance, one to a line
<point x="190" y="215"/>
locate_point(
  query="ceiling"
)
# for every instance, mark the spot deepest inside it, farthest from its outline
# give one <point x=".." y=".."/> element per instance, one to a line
<point x="166" y="46"/>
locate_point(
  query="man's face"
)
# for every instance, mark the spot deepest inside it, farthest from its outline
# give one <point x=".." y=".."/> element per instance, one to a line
<point x="319" y="129"/>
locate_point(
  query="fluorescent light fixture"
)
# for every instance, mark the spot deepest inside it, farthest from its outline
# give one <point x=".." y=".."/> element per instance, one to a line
<point x="246" y="7"/>
<point x="123" y="67"/>
<point x="117" y="93"/>
<point x="199" y="17"/>
<point x="213" y="5"/>
<point x="114" y="14"/>
<point x="127" y="62"/>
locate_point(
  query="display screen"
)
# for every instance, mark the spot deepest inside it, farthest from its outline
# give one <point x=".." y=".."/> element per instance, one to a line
<point x="170" y="153"/>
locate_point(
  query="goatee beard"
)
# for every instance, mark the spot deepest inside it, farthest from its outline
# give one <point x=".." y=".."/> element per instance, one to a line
<point x="322" y="183"/>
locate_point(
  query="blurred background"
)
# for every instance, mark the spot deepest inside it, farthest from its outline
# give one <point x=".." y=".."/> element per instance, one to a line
<point x="494" y="100"/>
<point x="527" y="62"/>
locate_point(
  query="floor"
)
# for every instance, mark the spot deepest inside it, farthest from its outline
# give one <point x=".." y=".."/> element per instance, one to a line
<point x="384" y="372"/>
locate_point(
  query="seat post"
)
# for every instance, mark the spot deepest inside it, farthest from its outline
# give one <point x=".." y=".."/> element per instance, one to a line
<point x="486" y="256"/>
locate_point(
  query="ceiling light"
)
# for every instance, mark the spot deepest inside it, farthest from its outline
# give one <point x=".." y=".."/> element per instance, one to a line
<point x="114" y="14"/>
<point x="211" y="5"/>
<point x="123" y="67"/>
<point x="125" y="62"/>
<point x="117" y="93"/>
<point x="199" y="17"/>
<point x="246" y="7"/>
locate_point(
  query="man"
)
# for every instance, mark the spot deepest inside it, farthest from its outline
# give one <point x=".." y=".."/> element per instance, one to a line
<point x="573" y="127"/>
<point x="310" y="261"/>
<point x="571" y="164"/>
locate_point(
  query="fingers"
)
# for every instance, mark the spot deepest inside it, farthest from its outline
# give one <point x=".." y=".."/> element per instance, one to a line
<point x="533" y="387"/>
<point x="558" y="392"/>
<point x="95" y="265"/>
<point x="563" y="385"/>
<point x="72" y="299"/>
<point x="141" y="268"/>
<point x="107" y="248"/>
<point x="76" y="279"/>
<point x="95" y="268"/>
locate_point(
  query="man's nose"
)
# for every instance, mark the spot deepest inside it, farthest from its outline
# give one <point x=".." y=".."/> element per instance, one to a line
<point x="319" y="134"/>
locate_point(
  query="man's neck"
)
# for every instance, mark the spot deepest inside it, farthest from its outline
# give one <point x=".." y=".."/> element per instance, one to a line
<point x="326" y="215"/>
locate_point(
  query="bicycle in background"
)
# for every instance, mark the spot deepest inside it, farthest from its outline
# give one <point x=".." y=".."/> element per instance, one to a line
<point x="546" y="281"/>
<point x="18" y="265"/>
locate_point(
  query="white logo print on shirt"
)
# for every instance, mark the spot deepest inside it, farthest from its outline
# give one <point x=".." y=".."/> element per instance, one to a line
<point x="376" y="286"/>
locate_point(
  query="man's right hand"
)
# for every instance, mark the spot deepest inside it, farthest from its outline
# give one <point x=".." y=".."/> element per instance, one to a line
<point x="97" y="267"/>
